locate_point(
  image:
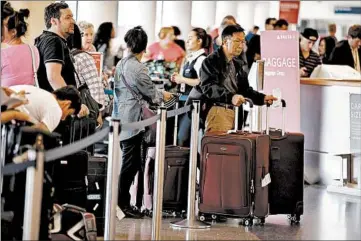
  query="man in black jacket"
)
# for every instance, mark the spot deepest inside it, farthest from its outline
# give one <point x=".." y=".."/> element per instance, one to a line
<point x="224" y="84"/>
<point x="348" y="52"/>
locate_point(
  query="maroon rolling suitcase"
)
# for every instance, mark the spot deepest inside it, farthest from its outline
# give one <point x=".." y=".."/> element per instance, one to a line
<point x="287" y="172"/>
<point x="233" y="166"/>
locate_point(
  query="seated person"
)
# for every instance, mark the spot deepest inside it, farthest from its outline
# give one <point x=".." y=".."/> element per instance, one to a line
<point x="45" y="109"/>
<point x="224" y="83"/>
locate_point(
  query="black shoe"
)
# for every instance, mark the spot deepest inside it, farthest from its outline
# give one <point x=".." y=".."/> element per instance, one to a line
<point x="132" y="212"/>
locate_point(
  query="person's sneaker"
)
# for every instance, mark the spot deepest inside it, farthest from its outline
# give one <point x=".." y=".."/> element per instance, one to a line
<point x="132" y="212"/>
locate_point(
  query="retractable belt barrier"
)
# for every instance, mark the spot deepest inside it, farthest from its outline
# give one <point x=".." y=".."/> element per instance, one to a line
<point x="35" y="168"/>
<point x="59" y="152"/>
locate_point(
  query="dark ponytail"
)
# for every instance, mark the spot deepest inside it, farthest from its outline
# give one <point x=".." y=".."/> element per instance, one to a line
<point x="206" y="39"/>
<point x="17" y="22"/>
<point x="136" y="40"/>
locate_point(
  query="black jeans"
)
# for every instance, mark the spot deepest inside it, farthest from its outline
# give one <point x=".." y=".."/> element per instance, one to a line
<point x="132" y="162"/>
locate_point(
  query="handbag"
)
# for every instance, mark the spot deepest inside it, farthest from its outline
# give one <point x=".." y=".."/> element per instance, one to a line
<point x="146" y="113"/>
<point x="87" y="99"/>
<point x="34" y="66"/>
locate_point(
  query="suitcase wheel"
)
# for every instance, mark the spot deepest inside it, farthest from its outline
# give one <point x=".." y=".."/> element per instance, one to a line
<point x="260" y="221"/>
<point x="294" y="219"/>
<point x="248" y="222"/>
<point x="202" y="218"/>
<point x="183" y="214"/>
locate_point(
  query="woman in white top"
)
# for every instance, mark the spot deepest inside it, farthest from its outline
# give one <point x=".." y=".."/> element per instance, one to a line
<point x="197" y="45"/>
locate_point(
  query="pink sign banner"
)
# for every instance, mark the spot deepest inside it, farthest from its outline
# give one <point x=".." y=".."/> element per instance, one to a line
<point x="280" y="51"/>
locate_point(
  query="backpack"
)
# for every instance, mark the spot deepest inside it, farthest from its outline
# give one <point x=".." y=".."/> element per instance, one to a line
<point x="71" y="222"/>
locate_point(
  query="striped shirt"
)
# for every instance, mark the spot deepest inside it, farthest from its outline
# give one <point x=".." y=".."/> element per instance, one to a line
<point x="87" y="71"/>
<point x="311" y="62"/>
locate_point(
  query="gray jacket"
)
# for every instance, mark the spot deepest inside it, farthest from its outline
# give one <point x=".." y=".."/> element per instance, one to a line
<point x="126" y="107"/>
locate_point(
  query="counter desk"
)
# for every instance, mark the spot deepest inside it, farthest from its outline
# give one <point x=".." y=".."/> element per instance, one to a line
<point x="331" y="123"/>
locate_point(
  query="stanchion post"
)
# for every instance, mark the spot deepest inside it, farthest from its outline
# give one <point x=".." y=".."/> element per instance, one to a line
<point x="260" y="85"/>
<point x="175" y="131"/>
<point x="159" y="174"/>
<point x="191" y="221"/>
<point x="34" y="193"/>
<point x="2" y="153"/>
<point x="114" y="160"/>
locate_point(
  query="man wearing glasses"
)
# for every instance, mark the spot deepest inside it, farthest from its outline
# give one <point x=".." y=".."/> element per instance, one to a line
<point x="224" y="84"/>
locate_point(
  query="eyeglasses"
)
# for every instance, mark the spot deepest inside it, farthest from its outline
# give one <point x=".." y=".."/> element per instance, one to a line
<point x="238" y="42"/>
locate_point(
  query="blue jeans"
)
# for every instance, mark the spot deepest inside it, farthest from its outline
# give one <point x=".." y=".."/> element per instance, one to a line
<point x="184" y="132"/>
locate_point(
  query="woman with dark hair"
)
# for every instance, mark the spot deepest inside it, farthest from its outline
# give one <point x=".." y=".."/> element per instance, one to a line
<point x="16" y="56"/>
<point x="6" y="11"/>
<point x="197" y="44"/>
<point x="177" y="33"/>
<point x="86" y="70"/>
<point x="102" y="40"/>
<point x="132" y="89"/>
<point x="327" y="44"/>
<point x="253" y="52"/>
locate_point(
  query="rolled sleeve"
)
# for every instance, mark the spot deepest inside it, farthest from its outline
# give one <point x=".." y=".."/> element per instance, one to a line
<point x="147" y="88"/>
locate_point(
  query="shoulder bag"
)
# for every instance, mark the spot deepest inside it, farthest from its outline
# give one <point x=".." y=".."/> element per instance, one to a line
<point x="146" y="113"/>
<point x="34" y="66"/>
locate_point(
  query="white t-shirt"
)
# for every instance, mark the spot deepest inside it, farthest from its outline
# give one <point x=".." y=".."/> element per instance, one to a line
<point x="42" y="107"/>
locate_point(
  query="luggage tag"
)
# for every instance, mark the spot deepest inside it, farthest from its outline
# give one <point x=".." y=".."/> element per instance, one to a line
<point x="266" y="180"/>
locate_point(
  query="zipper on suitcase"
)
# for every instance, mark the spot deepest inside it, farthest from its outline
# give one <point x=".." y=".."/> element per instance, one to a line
<point x="252" y="186"/>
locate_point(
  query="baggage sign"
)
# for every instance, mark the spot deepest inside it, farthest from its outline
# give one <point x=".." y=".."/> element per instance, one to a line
<point x="280" y="51"/>
<point x="355" y="122"/>
<point x="98" y="58"/>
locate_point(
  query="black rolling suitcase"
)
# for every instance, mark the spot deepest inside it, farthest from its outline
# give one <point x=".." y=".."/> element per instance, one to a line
<point x="96" y="183"/>
<point x="176" y="170"/>
<point x="70" y="179"/>
<point x="70" y="172"/>
<point x="287" y="175"/>
<point x="16" y="138"/>
<point x="74" y="129"/>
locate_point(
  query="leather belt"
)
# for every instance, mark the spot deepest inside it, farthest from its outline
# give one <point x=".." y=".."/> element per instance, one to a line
<point x="227" y="106"/>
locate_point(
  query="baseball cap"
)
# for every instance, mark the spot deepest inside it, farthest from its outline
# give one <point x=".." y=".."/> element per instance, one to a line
<point x="310" y="34"/>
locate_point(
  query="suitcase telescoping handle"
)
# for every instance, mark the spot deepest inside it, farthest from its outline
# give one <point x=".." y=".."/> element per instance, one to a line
<point x="283" y="130"/>
<point x="236" y="108"/>
<point x="175" y="131"/>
